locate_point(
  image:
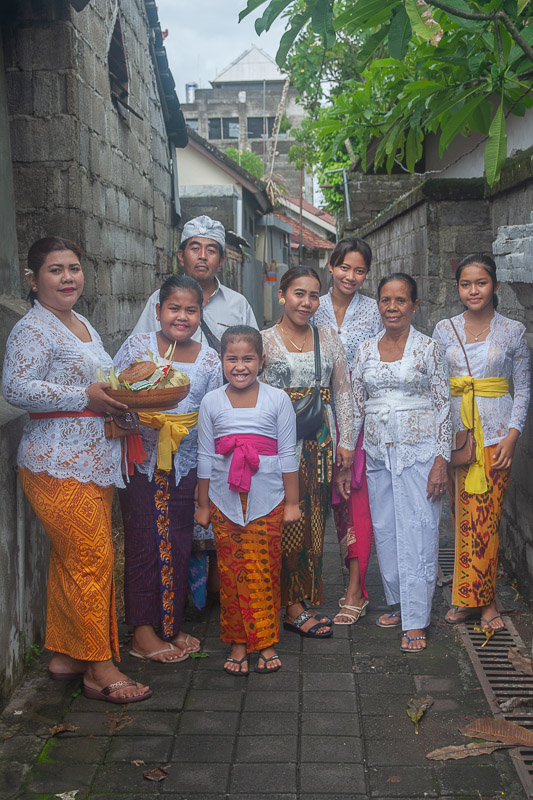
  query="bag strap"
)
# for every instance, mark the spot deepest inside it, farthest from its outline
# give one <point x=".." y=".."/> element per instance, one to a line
<point x="318" y="365"/>
<point x="212" y="340"/>
<point x="467" y="364"/>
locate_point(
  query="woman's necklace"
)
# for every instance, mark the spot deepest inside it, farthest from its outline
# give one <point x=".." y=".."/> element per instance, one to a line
<point x="476" y="336"/>
<point x="299" y="349"/>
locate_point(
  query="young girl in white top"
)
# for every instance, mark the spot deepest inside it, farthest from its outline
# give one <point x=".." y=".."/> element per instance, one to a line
<point x="248" y="489"/>
<point x="158" y="503"/>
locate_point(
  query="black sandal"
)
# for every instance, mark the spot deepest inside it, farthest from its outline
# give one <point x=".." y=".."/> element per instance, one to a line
<point x="266" y="671"/>
<point x="295" y="626"/>
<point x="237" y="673"/>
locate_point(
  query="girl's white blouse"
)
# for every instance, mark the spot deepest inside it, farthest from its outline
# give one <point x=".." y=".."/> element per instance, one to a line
<point x="503" y="354"/>
<point x="362" y="321"/>
<point x="205" y="375"/>
<point x="285" y="369"/>
<point x="272" y="416"/>
<point x="405" y="403"/>
<point x="47" y="368"/>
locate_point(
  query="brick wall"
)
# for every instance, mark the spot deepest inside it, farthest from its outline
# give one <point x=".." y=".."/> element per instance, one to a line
<point x="79" y="169"/>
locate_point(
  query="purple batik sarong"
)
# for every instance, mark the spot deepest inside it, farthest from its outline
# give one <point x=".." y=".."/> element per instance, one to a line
<point x="158" y="527"/>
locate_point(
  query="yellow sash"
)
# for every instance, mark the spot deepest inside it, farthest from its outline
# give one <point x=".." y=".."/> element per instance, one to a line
<point x="476" y="482"/>
<point x="172" y="429"/>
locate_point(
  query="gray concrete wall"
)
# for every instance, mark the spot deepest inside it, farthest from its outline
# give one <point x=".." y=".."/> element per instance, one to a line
<point x="9" y="272"/>
<point x="426" y="234"/>
<point x="79" y="169"/>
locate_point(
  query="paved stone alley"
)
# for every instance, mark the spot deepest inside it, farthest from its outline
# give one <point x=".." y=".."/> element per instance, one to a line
<point x="332" y="724"/>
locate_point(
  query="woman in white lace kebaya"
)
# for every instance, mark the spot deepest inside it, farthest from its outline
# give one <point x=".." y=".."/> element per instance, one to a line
<point x="401" y="393"/>
<point x="68" y="468"/>
<point x="484" y="351"/>
<point x="290" y="365"/>
<point x="158" y="502"/>
<point x="356" y="319"/>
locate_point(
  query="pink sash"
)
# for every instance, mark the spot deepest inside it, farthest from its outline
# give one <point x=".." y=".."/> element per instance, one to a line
<point x="358" y="466"/>
<point x="246" y="449"/>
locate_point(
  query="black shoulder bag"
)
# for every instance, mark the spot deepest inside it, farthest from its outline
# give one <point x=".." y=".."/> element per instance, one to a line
<point x="212" y="340"/>
<point x="310" y="409"/>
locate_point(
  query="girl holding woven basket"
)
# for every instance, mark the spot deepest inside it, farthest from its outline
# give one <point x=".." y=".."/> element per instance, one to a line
<point x="485" y="350"/>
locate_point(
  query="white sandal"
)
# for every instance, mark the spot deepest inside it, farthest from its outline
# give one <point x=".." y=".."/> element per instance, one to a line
<point x="359" y="612"/>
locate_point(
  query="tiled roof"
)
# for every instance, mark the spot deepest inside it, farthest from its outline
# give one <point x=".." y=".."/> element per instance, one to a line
<point x="310" y="239"/>
<point x="318" y="212"/>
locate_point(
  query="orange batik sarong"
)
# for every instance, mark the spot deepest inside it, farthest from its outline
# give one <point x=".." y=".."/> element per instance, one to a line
<point x="81" y="620"/>
<point x="476" y="519"/>
<point x="249" y="561"/>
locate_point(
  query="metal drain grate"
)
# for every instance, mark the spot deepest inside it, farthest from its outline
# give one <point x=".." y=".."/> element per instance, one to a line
<point x="496" y="675"/>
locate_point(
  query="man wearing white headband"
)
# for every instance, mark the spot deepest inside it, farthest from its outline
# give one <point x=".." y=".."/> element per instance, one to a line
<point x="201" y="254"/>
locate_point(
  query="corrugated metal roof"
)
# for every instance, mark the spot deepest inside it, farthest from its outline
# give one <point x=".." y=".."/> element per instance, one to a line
<point x="252" y="66"/>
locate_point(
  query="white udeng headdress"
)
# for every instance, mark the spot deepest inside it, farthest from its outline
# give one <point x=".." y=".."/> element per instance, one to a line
<point x="206" y="227"/>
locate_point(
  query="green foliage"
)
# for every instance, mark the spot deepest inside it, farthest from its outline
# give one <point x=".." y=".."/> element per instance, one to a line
<point x="250" y="161"/>
<point x="284" y="124"/>
<point x="402" y="69"/>
<point x="32" y="653"/>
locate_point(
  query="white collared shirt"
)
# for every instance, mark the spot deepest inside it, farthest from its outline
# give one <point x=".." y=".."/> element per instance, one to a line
<point x="273" y="416"/>
<point x="224" y="308"/>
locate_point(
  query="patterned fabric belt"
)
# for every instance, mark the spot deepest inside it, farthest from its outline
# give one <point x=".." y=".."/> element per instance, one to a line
<point x="323" y="437"/>
<point x="172" y="429"/>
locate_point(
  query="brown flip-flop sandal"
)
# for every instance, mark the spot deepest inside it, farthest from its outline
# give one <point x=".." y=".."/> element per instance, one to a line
<point x="106" y="693"/>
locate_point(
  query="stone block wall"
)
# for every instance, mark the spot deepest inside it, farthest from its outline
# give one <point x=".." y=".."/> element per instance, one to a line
<point x="371" y="194"/>
<point x="426" y="234"/>
<point x="79" y="169"/>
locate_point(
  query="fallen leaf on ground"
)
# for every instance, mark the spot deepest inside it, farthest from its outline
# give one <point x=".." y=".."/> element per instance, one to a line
<point x="138" y="762"/>
<point x="394" y="779"/>
<point x="64" y="726"/>
<point x="416" y="707"/>
<point x="465" y="750"/>
<point x="515" y="702"/>
<point x="521" y="664"/>
<point x="116" y="722"/>
<point x="18" y="712"/>
<point x="489" y="633"/>
<point x="68" y="795"/>
<point x="498" y="730"/>
<point x="157" y="774"/>
<point x="198" y="655"/>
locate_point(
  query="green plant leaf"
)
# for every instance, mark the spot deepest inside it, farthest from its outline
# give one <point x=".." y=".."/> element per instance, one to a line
<point x="462" y="5"/>
<point x="457" y="122"/>
<point x="400" y="33"/>
<point x="413" y="149"/>
<point x="426" y="26"/>
<point x="521" y="5"/>
<point x="322" y="21"/>
<point x="496" y="147"/>
<point x="272" y="11"/>
<point x="289" y="37"/>
<point x="366" y="14"/>
<point x="252" y="5"/>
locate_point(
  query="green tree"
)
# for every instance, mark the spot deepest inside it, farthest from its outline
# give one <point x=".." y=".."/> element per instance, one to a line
<point x="408" y="68"/>
<point x="250" y="161"/>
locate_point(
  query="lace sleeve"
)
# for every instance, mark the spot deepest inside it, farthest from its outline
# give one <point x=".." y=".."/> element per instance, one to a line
<point x="340" y="380"/>
<point x="439" y="384"/>
<point x="29" y="356"/>
<point x="213" y="366"/>
<point x="360" y="394"/>
<point x="127" y="353"/>
<point x="521" y="384"/>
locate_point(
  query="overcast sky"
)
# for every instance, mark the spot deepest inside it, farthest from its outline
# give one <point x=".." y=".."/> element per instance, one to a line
<point x="204" y="36"/>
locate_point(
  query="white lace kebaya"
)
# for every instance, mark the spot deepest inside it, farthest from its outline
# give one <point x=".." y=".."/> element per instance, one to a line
<point x="205" y="375"/>
<point x="503" y="354"/>
<point x="405" y="403"/>
<point x="362" y="321"/>
<point x="284" y="369"/>
<point x="47" y="368"/>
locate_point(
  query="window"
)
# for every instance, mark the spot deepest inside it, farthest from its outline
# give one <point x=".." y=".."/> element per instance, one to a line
<point x="193" y="124"/>
<point x="118" y="72"/>
<point x="230" y="128"/>
<point x="256" y="127"/>
<point x="215" y="131"/>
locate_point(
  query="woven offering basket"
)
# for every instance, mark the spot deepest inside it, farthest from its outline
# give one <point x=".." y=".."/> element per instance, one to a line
<point x="151" y="399"/>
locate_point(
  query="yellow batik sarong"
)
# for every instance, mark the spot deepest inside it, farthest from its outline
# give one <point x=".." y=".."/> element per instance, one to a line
<point x="172" y="429"/>
<point x="476" y="482"/>
<point x="80" y="620"/>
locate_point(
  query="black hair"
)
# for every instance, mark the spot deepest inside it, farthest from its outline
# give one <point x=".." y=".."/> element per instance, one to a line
<point x="41" y="249"/>
<point x="183" y="245"/>
<point x="351" y="244"/>
<point x="294" y="273"/>
<point x="183" y="282"/>
<point x="488" y="265"/>
<point x="400" y="276"/>
<point x="236" y="333"/>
